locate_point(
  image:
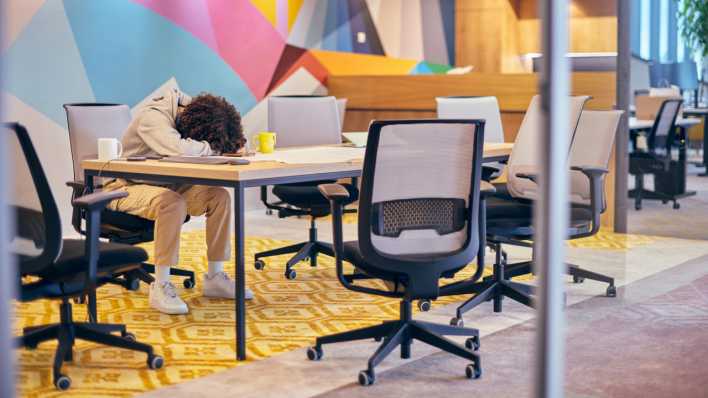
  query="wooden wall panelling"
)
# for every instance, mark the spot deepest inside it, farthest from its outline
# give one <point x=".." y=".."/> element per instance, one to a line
<point x="487" y="35"/>
<point x="593" y="26"/>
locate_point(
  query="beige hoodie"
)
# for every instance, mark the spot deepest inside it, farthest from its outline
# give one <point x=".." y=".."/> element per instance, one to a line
<point x="152" y="131"/>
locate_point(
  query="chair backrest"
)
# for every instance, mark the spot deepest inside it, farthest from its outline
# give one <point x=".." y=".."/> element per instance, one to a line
<point x="663" y="132"/>
<point x="304" y="120"/>
<point x="87" y="123"/>
<point x="485" y="108"/>
<point x="420" y="193"/>
<point x="36" y="238"/>
<point x="342" y="110"/>
<point x="592" y="147"/>
<point x="525" y="156"/>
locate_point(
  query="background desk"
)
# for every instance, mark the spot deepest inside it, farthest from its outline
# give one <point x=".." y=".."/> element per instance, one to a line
<point x="239" y="178"/>
<point x="701" y="112"/>
<point x="641" y="124"/>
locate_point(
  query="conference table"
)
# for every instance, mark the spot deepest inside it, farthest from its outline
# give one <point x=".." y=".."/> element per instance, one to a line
<point x="284" y="166"/>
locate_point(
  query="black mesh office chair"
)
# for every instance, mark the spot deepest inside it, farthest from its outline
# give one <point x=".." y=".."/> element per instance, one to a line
<point x="54" y="268"/>
<point x="300" y="121"/>
<point x="657" y="160"/>
<point x="87" y="123"/>
<point x="418" y="222"/>
<point x="509" y="219"/>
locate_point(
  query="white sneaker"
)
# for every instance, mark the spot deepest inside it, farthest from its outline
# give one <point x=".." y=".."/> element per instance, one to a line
<point x="221" y="286"/>
<point x="163" y="297"/>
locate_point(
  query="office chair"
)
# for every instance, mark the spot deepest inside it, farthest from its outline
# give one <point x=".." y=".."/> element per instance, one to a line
<point x="60" y="269"/>
<point x="87" y="123"/>
<point x="299" y="121"/>
<point x="485" y="108"/>
<point x="509" y="213"/>
<point x="341" y="111"/>
<point x="658" y="161"/>
<point x="418" y="222"/>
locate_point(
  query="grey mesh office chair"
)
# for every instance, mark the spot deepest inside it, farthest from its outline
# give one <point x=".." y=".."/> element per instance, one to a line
<point x="87" y="123"/>
<point x="509" y="213"/>
<point x="484" y="108"/>
<point x="418" y="222"/>
<point x="342" y="111"/>
<point x="61" y="269"/>
<point x="299" y="121"/>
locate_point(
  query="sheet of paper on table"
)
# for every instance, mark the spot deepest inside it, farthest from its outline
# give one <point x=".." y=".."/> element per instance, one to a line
<point x="322" y="154"/>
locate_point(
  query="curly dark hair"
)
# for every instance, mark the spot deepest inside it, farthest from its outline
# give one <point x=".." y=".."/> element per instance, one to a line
<point x="212" y="119"/>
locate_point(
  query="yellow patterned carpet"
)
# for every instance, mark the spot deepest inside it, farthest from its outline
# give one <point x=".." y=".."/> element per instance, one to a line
<point x="284" y="315"/>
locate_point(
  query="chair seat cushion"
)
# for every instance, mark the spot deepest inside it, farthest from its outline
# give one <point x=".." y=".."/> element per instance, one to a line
<point x="507" y="216"/>
<point x="125" y="221"/>
<point x="113" y="258"/>
<point x="352" y="255"/>
<point x="307" y="196"/>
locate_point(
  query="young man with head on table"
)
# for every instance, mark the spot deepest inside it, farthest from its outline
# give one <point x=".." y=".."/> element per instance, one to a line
<point x="171" y="125"/>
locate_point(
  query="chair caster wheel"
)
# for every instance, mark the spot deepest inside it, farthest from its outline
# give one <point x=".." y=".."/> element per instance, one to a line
<point x="290" y="274"/>
<point x="677" y="205"/>
<point x="457" y="322"/>
<point x="378" y="339"/>
<point x="133" y="285"/>
<point x="155" y="362"/>
<point x="611" y="291"/>
<point x="637" y="207"/>
<point x="578" y="279"/>
<point x="367" y="377"/>
<point x="188" y="283"/>
<point x="62" y="383"/>
<point x="663" y="202"/>
<point x="314" y="353"/>
<point x="424" y="305"/>
<point x="259" y="265"/>
<point x="473" y="371"/>
<point x="128" y="336"/>
<point x="473" y="343"/>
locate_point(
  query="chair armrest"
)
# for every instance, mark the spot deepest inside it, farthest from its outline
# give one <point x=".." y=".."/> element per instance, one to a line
<point x="595" y="175"/>
<point x="334" y="192"/>
<point x="528" y="176"/>
<point x="76" y="185"/>
<point x="97" y="200"/>
<point x="590" y="171"/>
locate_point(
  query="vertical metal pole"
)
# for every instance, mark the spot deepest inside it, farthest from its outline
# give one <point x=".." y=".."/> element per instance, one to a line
<point x="622" y="138"/>
<point x="551" y="212"/>
<point x="7" y="263"/>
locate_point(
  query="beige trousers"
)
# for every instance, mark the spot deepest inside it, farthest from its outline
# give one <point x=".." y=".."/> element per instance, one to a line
<point x="169" y="206"/>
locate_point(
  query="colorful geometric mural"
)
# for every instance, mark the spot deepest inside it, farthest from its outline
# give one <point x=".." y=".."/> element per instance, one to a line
<point x="121" y="50"/>
<point x="124" y="51"/>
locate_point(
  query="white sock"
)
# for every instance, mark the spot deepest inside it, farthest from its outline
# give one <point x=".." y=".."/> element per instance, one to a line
<point x="162" y="274"/>
<point x="214" y="268"/>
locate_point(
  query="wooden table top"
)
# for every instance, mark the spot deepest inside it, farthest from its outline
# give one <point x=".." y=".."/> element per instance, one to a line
<point x="253" y="171"/>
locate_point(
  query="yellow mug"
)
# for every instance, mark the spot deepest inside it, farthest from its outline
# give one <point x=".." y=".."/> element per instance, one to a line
<point x="265" y="141"/>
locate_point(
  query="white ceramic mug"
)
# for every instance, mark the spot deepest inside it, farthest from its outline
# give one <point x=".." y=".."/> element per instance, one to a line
<point x="109" y="149"/>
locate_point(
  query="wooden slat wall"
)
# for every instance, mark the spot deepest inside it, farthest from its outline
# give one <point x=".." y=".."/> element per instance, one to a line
<point x="401" y="97"/>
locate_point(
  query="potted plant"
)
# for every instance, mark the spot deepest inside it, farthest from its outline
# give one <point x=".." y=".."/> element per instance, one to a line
<point x="693" y="18"/>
